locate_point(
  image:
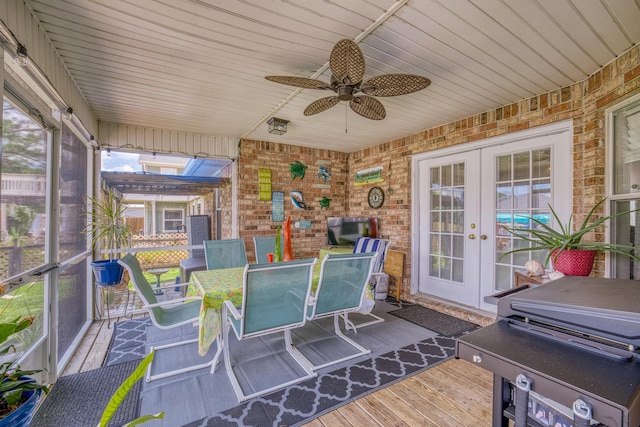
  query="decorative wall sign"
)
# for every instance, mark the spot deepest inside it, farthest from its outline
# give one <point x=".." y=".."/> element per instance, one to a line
<point x="323" y="173"/>
<point x="376" y="197"/>
<point x="277" y="206"/>
<point x="297" y="169"/>
<point x="296" y="200"/>
<point x="302" y="225"/>
<point x="264" y="182"/>
<point x="368" y="176"/>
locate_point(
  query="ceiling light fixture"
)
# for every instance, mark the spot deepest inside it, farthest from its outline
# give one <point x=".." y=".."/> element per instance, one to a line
<point x="277" y="126"/>
<point x="22" y="57"/>
<point x="108" y="152"/>
<point x="68" y="113"/>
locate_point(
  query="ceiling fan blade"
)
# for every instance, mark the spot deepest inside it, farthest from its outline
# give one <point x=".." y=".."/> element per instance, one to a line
<point x="320" y="105"/>
<point x="302" y="82"/>
<point x="368" y="107"/>
<point x="346" y="62"/>
<point x="394" y="84"/>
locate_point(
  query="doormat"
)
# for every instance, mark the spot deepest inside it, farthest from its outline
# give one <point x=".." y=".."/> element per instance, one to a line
<point x="300" y="403"/>
<point x="78" y="400"/>
<point x="441" y="323"/>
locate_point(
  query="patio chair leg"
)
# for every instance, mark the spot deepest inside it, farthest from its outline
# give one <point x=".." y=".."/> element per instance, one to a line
<point x="361" y="350"/>
<point x="150" y="377"/>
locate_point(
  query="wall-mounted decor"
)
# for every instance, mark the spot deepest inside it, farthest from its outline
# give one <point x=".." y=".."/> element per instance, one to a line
<point x="323" y="173"/>
<point x="277" y="206"/>
<point x="297" y="169"/>
<point x="296" y="200"/>
<point x="375" y="197"/>
<point x="368" y="176"/>
<point x="264" y="182"/>
<point x="325" y="202"/>
<point x="302" y="225"/>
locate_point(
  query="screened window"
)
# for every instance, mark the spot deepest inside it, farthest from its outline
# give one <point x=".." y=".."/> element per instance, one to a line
<point x="23" y="220"/>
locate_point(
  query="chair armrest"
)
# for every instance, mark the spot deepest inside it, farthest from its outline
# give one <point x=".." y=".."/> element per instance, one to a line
<point x="174" y="301"/>
<point x="233" y="310"/>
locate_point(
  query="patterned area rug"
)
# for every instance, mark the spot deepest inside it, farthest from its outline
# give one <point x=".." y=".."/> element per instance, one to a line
<point x="441" y="323"/>
<point x="301" y="403"/>
<point x="128" y="341"/>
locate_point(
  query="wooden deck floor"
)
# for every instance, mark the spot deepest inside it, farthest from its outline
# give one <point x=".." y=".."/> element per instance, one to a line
<point x="453" y="393"/>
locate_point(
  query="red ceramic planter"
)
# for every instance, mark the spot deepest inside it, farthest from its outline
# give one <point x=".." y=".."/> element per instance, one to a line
<point x="573" y="262"/>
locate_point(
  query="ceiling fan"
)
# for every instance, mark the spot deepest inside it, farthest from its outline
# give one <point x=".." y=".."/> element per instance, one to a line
<point x="347" y="68"/>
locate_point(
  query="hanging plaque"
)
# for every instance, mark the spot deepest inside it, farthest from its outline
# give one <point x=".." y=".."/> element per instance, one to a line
<point x="277" y="206"/>
<point x="264" y="181"/>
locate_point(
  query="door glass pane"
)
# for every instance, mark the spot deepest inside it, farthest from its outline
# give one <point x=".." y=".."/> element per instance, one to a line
<point x="519" y="199"/>
<point x="447" y="222"/>
<point x="503" y="168"/>
<point x="626" y="149"/>
<point x="23" y="217"/>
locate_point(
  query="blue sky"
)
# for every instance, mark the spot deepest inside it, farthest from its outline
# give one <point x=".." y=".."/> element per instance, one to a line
<point x="120" y="162"/>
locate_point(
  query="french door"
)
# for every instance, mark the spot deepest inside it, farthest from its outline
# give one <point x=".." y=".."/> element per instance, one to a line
<point x="464" y="199"/>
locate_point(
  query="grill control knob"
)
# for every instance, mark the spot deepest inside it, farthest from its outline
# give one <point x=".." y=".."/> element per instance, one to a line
<point x="477" y="358"/>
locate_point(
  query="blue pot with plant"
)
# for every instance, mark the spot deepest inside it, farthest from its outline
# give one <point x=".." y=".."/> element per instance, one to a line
<point x="19" y="392"/>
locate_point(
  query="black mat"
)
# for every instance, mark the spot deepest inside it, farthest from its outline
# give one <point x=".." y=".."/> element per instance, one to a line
<point x="441" y="323"/>
<point x="301" y="403"/>
<point x="79" y="399"/>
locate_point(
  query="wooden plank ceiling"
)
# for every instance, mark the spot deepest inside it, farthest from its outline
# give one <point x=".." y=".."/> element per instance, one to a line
<point x="199" y="65"/>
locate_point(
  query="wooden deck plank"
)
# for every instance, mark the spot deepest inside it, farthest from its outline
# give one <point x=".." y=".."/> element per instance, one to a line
<point x="378" y="411"/>
<point x="331" y="419"/>
<point x="78" y="359"/>
<point x="399" y="408"/>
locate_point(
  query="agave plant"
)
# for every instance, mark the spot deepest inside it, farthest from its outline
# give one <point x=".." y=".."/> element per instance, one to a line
<point x="13" y="379"/>
<point x="543" y="237"/>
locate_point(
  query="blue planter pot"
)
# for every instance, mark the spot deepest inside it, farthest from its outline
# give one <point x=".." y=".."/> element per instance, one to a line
<point x="21" y="417"/>
<point x="107" y="272"/>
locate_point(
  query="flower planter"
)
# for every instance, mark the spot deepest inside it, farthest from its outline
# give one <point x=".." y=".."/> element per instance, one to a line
<point x="573" y="262"/>
<point x="21" y="417"/>
<point x="107" y="272"/>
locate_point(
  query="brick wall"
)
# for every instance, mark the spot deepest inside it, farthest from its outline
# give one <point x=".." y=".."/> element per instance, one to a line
<point x="583" y="102"/>
<point x="254" y="215"/>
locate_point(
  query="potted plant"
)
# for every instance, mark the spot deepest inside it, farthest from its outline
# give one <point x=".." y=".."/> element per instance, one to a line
<point x="19" y="393"/>
<point x="107" y="227"/>
<point x="568" y="253"/>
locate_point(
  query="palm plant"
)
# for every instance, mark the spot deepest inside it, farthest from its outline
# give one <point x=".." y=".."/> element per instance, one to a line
<point x="543" y="237"/>
<point x="106" y="223"/>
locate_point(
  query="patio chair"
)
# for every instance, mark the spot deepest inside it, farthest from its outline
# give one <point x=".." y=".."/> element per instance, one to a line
<point x="367" y="245"/>
<point x="225" y="253"/>
<point x="264" y="245"/>
<point x="341" y="289"/>
<point x="268" y="307"/>
<point x="166" y="314"/>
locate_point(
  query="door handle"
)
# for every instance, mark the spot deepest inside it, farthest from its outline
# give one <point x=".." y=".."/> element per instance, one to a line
<point x="483" y="237"/>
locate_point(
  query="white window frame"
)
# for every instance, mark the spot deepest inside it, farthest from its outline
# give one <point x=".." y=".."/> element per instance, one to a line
<point x="164" y="219"/>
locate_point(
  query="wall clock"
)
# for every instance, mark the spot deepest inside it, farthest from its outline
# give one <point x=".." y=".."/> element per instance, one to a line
<point x="376" y="197"/>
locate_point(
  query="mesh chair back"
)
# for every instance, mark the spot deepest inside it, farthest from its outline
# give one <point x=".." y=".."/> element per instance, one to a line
<point x="367" y="244"/>
<point x="343" y="278"/>
<point x="275" y="295"/>
<point x="225" y="253"/>
<point x="265" y="245"/>
<point x="140" y="283"/>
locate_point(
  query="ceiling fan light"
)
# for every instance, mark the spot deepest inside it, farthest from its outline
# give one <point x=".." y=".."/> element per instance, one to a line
<point x="277" y="126"/>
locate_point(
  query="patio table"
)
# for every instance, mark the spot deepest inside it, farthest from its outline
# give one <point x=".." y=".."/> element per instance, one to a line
<point x="216" y="286"/>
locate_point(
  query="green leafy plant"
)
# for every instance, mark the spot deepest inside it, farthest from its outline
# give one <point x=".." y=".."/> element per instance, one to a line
<point x="13" y="379"/>
<point x="543" y="237"/>
<point x="122" y="391"/>
<point x="106" y="222"/>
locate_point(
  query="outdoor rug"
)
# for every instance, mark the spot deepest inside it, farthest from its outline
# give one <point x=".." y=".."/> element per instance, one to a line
<point x="301" y="403"/>
<point x="78" y="400"/>
<point x="441" y="323"/>
<point x="128" y="341"/>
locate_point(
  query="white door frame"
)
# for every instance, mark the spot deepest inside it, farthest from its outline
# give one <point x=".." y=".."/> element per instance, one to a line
<point x="564" y="129"/>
